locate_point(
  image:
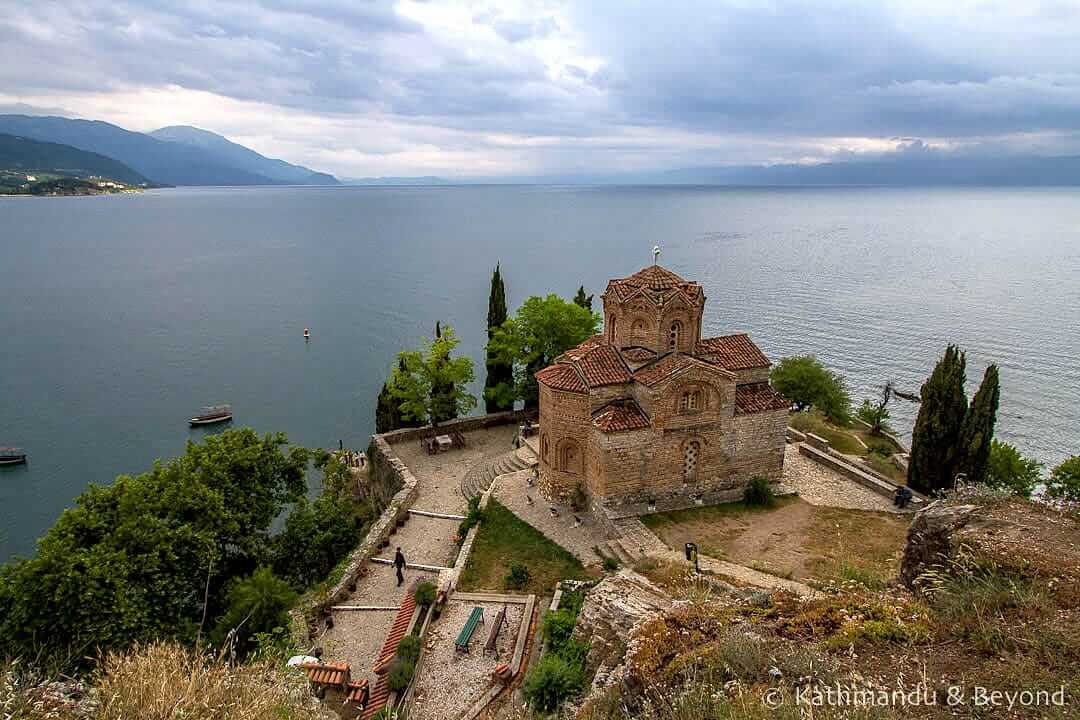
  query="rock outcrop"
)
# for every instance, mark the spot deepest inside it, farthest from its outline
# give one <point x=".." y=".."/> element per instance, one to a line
<point x="611" y="612"/>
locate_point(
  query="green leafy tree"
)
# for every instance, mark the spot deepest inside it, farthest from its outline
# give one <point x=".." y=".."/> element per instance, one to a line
<point x="935" y="440"/>
<point x="583" y="300"/>
<point x="317" y="535"/>
<point x="1064" y="480"/>
<point x="543" y="329"/>
<point x="807" y="383"/>
<point x="498" y="372"/>
<point x="134" y="560"/>
<point x="1007" y="469"/>
<point x="977" y="432"/>
<point x="388" y="415"/>
<point x="256" y="604"/>
<point x="432" y="384"/>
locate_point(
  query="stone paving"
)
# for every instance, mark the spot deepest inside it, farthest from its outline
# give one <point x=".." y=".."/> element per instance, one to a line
<point x="819" y="485"/>
<point x="450" y="681"/>
<point x="425" y="540"/>
<point x="513" y="492"/>
<point x="356" y="638"/>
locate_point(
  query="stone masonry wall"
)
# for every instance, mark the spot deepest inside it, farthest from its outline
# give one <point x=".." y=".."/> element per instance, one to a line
<point x="567" y="419"/>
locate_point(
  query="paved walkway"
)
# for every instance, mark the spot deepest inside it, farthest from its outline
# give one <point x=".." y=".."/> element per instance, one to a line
<point x="819" y="485"/>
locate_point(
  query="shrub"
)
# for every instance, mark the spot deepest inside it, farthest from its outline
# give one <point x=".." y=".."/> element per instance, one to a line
<point x="879" y="446"/>
<point x="558" y="627"/>
<point x="1065" y="480"/>
<point x="401" y="675"/>
<point x="425" y="593"/>
<point x="758" y="493"/>
<point x="553" y="681"/>
<point x="873" y="415"/>
<point x="611" y="564"/>
<point x="409" y="648"/>
<point x="473" y="517"/>
<point x="518" y="577"/>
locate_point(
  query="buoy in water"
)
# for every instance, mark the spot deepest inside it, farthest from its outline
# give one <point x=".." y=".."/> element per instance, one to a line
<point x="307" y="334"/>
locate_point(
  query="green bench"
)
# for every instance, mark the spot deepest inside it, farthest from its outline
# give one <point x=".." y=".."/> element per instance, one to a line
<point x="476" y="617"/>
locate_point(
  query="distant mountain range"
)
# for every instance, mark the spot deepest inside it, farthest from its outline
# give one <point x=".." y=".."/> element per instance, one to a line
<point x="179" y="156"/>
<point x="20" y="153"/>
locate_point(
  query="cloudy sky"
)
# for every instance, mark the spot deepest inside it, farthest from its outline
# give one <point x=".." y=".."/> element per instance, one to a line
<point x="463" y="88"/>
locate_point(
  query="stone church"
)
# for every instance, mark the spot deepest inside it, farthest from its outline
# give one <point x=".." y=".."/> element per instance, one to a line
<point x="650" y="416"/>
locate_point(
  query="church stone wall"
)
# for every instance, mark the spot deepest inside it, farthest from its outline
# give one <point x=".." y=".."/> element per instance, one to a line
<point x="759" y="444"/>
<point x="566" y="419"/>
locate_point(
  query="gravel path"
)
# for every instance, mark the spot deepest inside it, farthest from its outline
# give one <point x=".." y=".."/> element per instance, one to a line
<point x="512" y="491"/>
<point x="356" y="638"/>
<point x="818" y="485"/>
<point x="425" y="540"/>
<point x="449" y="681"/>
<point x="440" y="475"/>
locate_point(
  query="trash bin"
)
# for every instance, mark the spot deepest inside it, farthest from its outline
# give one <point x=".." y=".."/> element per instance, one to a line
<point x="691" y="549"/>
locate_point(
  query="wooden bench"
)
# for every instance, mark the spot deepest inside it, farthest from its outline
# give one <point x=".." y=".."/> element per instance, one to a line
<point x="476" y="617"/>
<point x="493" y="634"/>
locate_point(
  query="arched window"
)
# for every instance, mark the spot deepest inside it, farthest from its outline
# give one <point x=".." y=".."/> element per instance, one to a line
<point x="691" y="401"/>
<point x="674" y="335"/>
<point x="544" y="446"/>
<point x="690" y="460"/>
<point x="569" y="457"/>
<point x="614" y="333"/>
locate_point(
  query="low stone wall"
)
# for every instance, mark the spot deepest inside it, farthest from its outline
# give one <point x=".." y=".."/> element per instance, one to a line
<point x="879" y="485"/>
<point x="461" y="425"/>
<point x="393" y="470"/>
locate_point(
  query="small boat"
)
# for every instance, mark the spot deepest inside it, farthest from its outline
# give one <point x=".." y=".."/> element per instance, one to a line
<point x="307" y="334"/>
<point x="12" y="456"/>
<point x="211" y="415"/>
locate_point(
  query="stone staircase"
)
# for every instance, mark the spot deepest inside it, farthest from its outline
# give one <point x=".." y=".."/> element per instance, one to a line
<point x="480" y="476"/>
<point x="635" y="541"/>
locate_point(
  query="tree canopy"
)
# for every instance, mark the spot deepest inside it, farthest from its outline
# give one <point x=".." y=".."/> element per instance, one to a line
<point x="977" y="431"/>
<point x="935" y="440"/>
<point x="542" y="329"/>
<point x="1008" y="469"/>
<point x="429" y="384"/>
<point x="583" y="300"/>
<point x="1064" y="480"/>
<point x="132" y="560"/>
<point x="807" y="383"/>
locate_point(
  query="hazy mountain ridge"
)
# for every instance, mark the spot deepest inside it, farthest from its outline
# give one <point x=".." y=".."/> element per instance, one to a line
<point x="238" y="156"/>
<point x="23" y="153"/>
<point x="170" y="163"/>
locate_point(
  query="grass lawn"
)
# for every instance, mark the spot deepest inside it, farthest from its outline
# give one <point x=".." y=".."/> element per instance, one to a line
<point x="504" y="539"/>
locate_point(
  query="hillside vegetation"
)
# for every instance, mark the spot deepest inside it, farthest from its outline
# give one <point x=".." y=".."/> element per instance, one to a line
<point x="35" y="157"/>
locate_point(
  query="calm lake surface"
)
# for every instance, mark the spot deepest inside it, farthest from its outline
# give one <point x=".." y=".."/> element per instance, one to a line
<point x="121" y="315"/>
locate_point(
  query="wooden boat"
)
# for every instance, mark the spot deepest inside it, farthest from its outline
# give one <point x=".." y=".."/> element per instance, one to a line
<point x="12" y="456"/>
<point x="212" y="415"/>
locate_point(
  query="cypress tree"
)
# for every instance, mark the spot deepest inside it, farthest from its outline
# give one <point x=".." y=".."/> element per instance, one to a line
<point x="935" y="439"/>
<point x="583" y="300"/>
<point x="977" y="432"/>
<point x="388" y="414"/>
<point x="497" y="373"/>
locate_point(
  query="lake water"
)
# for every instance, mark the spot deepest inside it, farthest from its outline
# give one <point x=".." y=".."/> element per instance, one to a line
<point x="121" y="315"/>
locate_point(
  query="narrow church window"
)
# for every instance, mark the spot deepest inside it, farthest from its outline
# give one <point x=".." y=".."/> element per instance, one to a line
<point x="690" y="458"/>
<point x="690" y="401"/>
<point x="614" y="327"/>
<point x="544" y="447"/>
<point x="673" y="335"/>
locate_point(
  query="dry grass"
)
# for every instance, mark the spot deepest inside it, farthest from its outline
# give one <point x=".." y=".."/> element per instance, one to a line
<point x="165" y="681"/>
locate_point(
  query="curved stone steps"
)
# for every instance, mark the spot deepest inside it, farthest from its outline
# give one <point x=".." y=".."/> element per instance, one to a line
<point x="480" y="476"/>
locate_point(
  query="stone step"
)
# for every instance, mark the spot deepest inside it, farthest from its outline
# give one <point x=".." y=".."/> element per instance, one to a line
<point x="616" y="550"/>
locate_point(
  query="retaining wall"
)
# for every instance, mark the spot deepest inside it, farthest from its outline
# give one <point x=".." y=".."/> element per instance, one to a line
<point x="462" y="425"/>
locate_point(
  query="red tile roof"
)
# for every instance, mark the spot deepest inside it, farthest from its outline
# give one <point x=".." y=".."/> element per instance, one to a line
<point x="576" y="353"/>
<point x="638" y="354"/>
<point x="381" y="693"/>
<point x="733" y="352"/>
<point x="619" y="416"/>
<point x="758" y="397"/>
<point x="358" y="692"/>
<point x="562" y="376"/>
<point x="653" y="373"/>
<point x="602" y="365"/>
<point x="335" y="673"/>
<point x="656" y="279"/>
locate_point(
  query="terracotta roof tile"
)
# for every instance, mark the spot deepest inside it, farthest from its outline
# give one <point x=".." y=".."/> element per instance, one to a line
<point x="602" y="366"/>
<point x="561" y="376"/>
<point x="619" y="416"/>
<point x="576" y="353"/>
<point x="758" y="397"/>
<point x="653" y="277"/>
<point x="733" y="352"/>
<point x="662" y="368"/>
<point x="397" y="631"/>
<point x="638" y="354"/>
<point x="334" y="673"/>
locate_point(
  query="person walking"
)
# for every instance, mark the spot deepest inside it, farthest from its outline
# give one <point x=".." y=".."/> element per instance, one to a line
<point x="399" y="565"/>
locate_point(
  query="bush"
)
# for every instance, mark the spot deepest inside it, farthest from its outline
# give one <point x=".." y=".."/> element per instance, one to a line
<point x="879" y="446"/>
<point x="1007" y="469"/>
<point x="473" y="517"/>
<point x="1065" y="480"/>
<point x="758" y="493"/>
<point x="401" y="675"/>
<point x="425" y="593"/>
<point x="807" y="383"/>
<point x="611" y="564"/>
<point x="257" y="604"/>
<point x="409" y="648"/>
<point x="558" y="627"/>
<point x="553" y="681"/>
<point x="872" y="415"/>
<point x="518" y="577"/>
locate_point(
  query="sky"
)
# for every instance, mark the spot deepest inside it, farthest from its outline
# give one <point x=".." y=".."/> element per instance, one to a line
<point x="364" y="88"/>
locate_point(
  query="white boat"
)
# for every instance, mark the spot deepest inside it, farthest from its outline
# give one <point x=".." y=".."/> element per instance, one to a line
<point x="212" y="415"/>
<point x="12" y="456"/>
